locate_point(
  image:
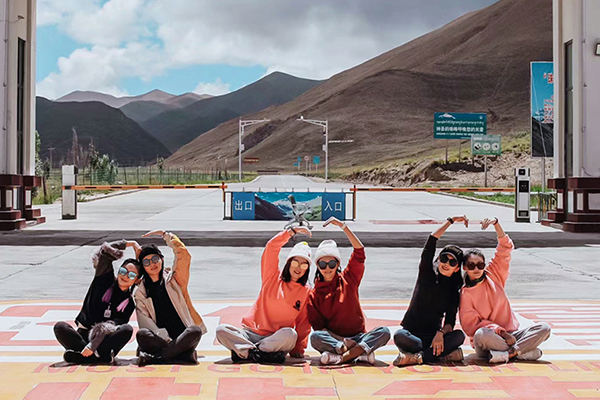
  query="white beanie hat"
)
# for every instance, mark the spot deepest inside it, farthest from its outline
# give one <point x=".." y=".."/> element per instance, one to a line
<point x="328" y="248"/>
<point x="301" y="250"/>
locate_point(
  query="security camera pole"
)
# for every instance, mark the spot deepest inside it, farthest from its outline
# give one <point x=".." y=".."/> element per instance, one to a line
<point x="325" y="126"/>
<point x="242" y="125"/>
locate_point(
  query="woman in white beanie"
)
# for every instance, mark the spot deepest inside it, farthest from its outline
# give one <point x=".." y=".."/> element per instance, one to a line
<point x="278" y="321"/>
<point x="334" y="308"/>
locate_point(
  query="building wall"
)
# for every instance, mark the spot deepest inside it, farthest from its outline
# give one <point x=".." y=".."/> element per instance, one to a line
<point x="578" y="21"/>
<point x="23" y="28"/>
<point x="591" y="95"/>
<point x="3" y="131"/>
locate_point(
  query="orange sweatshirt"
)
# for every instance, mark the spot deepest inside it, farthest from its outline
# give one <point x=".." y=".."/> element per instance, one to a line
<point x="279" y="304"/>
<point x="486" y="305"/>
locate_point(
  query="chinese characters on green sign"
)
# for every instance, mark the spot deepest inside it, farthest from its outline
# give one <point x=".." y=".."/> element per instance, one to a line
<point x="459" y="125"/>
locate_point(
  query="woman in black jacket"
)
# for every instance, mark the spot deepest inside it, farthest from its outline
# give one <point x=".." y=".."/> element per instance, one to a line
<point x="102" y="324"/>
<point x="424" y="339"/>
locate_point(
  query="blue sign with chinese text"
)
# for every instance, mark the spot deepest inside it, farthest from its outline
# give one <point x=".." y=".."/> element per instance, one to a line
<point x="334" y="205"/>
<point x="242" y="206"/>
<point x="277" y="206"/>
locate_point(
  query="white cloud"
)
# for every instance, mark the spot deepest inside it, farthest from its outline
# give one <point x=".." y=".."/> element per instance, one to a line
<point x="215" y="88"/>
<point x="102" y="69"/>
<point x="312" y="39"/>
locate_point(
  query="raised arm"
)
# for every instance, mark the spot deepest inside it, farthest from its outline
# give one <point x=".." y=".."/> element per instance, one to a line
<point x="356" y="265"/>
<point x="354" y="240"/>
<point x="106" y="254"/>
<point x="449" y="221"/>
<point x="269" y="263"/>
<point x="500" y="263"/>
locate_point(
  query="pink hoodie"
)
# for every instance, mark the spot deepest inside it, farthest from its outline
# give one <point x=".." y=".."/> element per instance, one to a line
<point x="280" y="304"/>
<point x="486" y="305"/>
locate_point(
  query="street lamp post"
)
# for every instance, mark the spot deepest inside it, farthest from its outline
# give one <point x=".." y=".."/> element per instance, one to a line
<point x="242" y="125"/>
<point x="325" y="125"/>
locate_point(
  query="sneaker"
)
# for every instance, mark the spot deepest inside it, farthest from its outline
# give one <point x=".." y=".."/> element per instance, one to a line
<point x="263" y="357"/>
<point x="147" y="358"/>
<point x="405" y="359"/>
<point x="328" y="358"/>
<point x="367" y="358"/>
<point x="532" y="355"/>
<point x="455" y="356"/>
<point x="188" y="357"/>
<point x="497" y="357"/>
<point x="74" y="357"/>
<point x="237" y="359"/>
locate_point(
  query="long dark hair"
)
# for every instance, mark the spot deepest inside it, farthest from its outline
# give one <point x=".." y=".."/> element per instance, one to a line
<point x="286" y="276"/>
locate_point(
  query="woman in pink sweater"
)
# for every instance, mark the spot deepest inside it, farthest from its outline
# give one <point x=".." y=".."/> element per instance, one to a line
<point x="278" y="321"/>
<point x="485" y="312"/>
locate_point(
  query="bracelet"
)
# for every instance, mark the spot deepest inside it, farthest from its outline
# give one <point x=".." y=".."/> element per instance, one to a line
<point x="495" y="222"/>
<point x="450" y="219"/>
<point x="293" y="230"/>
<point x="344" y="226"/>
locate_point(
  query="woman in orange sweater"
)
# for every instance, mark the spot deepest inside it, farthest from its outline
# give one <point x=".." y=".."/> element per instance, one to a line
<point x="277" y="323"/>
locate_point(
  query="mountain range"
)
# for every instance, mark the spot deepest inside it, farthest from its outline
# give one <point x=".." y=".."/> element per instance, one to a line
<point x="156" y="118"/>
<point x="111" y="132"/>
<point x="477" y="63"/>
<point x="177" y="127"/>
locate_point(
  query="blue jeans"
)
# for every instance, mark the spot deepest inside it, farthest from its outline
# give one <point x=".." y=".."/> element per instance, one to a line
<point x="327" y="341"/>
<point x="414" y="343"/>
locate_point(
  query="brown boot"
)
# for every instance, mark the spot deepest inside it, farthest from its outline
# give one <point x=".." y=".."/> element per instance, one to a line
<point x="406" y="359"/>
<point x="455" y="356"/>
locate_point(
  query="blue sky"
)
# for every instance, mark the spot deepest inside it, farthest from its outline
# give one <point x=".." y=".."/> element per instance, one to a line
<point x="129" y="47"/>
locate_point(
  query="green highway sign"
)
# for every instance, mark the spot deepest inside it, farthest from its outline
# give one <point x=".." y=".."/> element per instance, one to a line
<point x="486" y="145"/>
<point x="459" y="125"/>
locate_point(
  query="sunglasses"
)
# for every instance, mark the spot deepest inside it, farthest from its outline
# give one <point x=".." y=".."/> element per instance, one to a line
<point x="472" y="266"/>
<point x="131" y="275"/>
<point x="155" y="259"/>
<point x="332" y="264"/>
<point x="295" y="263"/>
<point x="447" y="260"/>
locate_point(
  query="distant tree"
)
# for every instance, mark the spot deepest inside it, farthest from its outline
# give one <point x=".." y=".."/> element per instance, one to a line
<point x="75" y="152"/>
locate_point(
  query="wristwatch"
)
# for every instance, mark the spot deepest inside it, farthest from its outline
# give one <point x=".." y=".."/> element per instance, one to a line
<point x="450" y="219"/>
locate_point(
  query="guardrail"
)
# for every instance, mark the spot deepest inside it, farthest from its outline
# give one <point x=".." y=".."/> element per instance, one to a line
<point x="419" y="189"/>
<point x="133" y="187"/>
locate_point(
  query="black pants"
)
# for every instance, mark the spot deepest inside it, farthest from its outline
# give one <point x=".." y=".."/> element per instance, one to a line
<point x="414" y="343"/>
<point x="151" y="343"/>
<point x="76" y="340"/>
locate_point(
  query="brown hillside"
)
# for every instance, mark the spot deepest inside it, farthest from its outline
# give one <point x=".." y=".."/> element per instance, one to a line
<point x="477" y="63"/>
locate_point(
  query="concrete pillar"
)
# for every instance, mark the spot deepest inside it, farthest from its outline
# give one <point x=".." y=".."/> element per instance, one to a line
<point x="69" y="197"/>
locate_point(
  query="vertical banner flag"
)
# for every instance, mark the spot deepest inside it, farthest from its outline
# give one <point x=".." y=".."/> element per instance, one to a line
<point x="542" y="109"/>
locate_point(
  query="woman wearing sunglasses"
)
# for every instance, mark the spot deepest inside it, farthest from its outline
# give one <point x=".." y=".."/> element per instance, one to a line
<point x="334" y="307"/>
<point x="277" y="322"/>
<point x="436" y="296"/>
<point x="485" y="312"/>
<point x="102" y="329"/>
<point x="170" y="326"/>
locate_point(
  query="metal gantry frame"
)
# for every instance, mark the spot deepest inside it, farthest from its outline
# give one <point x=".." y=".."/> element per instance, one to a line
<point x="242" y="125"/>
<point x="325" y="125"/>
